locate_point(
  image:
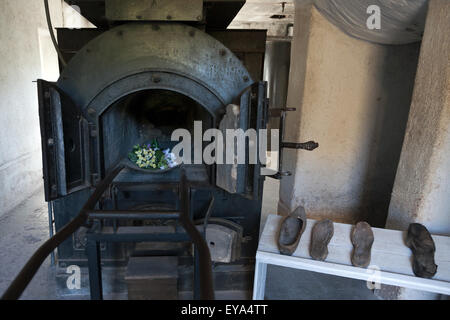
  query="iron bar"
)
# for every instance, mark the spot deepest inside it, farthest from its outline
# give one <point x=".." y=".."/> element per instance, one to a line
<point x="128" y="214"/>
<point x="143" y="186"/>
<point x="114" y="198"/>
<point x="139" y="237"/>
<point x="197" y="275"/>
<point x="133" y="216"/>
<point x="277" y="112"/>
<point x="204" y="263"/>
<point x="93" y="252"/>
<point x="310" y="145"/>
<point x="207" y="216"/>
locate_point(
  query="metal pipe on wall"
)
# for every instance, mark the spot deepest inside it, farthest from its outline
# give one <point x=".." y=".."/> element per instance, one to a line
<point x="276" y="72"/>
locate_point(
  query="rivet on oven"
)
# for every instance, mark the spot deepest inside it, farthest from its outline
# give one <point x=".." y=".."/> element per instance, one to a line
<point x="192" y="33"/>
<point x="223" y="52"/>
<point x="169" y="17"/>
<point x="156" y="79"/>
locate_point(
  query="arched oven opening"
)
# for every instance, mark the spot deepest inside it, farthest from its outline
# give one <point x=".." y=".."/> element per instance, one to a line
<point x="146" y="116"/>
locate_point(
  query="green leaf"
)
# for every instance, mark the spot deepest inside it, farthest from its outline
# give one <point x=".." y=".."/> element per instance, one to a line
<point x="155" y="144"/>
<point x="132" y="156"/>
<point x="159" y="155"/>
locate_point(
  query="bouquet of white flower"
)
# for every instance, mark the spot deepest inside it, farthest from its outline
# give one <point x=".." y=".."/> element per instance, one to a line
<point x="150" y="156"/>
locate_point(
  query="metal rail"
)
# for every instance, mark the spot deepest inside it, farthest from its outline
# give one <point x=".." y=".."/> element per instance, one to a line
<point x="204" y="265"/>
<point x="129" y="214"/>
<point x="27" y="273"/>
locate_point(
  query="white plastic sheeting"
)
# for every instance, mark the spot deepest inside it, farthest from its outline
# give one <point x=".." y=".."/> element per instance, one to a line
<point x="402" y="21"/>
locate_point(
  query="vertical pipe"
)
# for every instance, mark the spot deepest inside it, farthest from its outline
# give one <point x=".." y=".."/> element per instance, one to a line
<point x="50" y="230"/>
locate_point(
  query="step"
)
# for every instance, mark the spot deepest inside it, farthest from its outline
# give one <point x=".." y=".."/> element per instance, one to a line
<point x="152" y="278"/>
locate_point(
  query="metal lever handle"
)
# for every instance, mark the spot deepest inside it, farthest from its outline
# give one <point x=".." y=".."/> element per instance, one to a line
<point x="278" y="112"/>
<point x="279" y="175"/>
<point x="310" y="145"/>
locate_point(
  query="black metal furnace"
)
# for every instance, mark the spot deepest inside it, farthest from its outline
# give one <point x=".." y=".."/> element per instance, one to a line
<point x="147" y="70"/>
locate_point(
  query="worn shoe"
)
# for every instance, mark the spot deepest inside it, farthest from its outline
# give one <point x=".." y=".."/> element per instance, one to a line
<point x="422" y="245"/>
<point x="362" y="239"/>
<point x="321" y="234"/>
<point x="291" y="230"/>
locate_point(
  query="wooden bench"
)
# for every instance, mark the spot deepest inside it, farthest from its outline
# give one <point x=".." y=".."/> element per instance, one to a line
<point x="391" y="262"/>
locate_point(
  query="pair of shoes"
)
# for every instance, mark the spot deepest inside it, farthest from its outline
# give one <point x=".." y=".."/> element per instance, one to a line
<point x="293" y="225"/>
<point x="291" y="230"/>
<point x="362" y="239"/>
<point x="418" y="239"/>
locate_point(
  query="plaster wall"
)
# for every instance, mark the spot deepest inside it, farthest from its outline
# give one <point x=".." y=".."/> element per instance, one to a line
<point x="422" y="186"/>
<point x="27" y="54"/>
<point x="353" y="98"/>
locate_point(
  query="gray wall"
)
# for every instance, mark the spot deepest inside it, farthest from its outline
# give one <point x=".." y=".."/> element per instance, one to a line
<point x="352" y="97"/>
<point x="26" y="54"/>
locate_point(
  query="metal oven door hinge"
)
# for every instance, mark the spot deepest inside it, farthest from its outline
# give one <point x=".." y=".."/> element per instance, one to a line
<point x="309" y="146"/>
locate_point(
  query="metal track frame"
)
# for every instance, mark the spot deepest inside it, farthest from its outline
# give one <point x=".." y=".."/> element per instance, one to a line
<point x="94" y="237"/>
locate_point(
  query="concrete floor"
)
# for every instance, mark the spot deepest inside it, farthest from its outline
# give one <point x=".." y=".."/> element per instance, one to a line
<point x="25" y="228"/>
<point x="22" y="231"/>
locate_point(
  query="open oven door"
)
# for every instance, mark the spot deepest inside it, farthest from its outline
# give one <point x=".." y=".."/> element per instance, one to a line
<point x="250" y="111"/>
<point x="65" y="142"/>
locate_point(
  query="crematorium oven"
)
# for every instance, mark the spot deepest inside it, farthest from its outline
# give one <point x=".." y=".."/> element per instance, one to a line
<point x="147" y="70"/>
